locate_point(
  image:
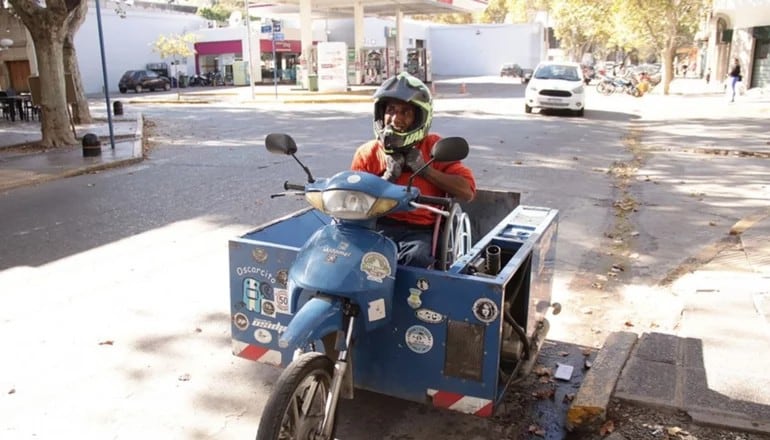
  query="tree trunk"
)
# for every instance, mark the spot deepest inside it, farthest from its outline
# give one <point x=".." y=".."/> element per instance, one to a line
<point x="667" y="65"/>
<point x="81" y="113"/>
<point x="55" y="124"/>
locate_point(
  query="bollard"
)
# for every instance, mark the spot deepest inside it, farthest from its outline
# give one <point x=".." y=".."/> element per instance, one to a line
<point x="91" y="145"/>
<point x="463" y="90"/>
<point x="117" y="108"/>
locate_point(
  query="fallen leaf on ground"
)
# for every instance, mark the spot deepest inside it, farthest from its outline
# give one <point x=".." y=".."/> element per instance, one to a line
<point x="607" y="427"/>
<point x="542" y="370"/>
<point x="185" y="377"/>
<point x="12" y="391"/>
<point x="106" y="342"/>
<point x="628" y="324"/>
<point x="544" y="394"/>
<point x="537" y="430"/>
<point x="568" y="398"/>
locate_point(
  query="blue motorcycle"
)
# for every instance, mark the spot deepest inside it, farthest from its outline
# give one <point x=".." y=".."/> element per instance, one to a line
<point x="320" y="288"/>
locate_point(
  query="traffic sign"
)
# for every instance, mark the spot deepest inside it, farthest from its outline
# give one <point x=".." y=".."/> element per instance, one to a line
<point x="266" y="29"/>
<point x="278" y="36"/>
<point x="276" y="25"/>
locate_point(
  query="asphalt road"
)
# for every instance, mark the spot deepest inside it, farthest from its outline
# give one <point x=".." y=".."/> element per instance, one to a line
<point x="113" y="286"/>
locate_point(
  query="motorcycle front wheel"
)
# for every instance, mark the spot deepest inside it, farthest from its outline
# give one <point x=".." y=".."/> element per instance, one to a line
<point x="295" y="409"/>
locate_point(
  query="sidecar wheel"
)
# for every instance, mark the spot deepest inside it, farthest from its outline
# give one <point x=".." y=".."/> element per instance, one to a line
<point x="295" y="409"/>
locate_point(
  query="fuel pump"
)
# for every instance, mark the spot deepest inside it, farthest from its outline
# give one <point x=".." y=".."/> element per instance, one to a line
<point x="374" y="66"/>
<point x="418" y="63"/>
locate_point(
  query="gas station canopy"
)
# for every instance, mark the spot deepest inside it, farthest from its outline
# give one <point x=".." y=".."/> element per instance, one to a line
<point x="382" y="8"/>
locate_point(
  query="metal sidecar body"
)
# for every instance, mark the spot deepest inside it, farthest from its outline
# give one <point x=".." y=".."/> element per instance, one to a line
<point x="455" y="339"/>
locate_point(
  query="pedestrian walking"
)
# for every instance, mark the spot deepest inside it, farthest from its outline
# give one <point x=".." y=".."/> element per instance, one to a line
<point x="735" y="77"/>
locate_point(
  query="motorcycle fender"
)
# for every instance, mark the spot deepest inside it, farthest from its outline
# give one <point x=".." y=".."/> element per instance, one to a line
<point x="315" y="319"/>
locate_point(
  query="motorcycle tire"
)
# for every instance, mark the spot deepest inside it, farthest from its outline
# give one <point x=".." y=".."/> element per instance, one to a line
<point x="604" y="89"/>
<point x="311" y="372"/>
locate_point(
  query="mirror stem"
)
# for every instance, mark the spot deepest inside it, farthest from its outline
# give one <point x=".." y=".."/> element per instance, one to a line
<point x="310" y="178"/>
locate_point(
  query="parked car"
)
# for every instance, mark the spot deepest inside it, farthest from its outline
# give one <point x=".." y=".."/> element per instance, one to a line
<point x="511" y="69"/>
<point x="556" y="85"/>
<point x="526" y="75"/>
<point x="141" y="80"/>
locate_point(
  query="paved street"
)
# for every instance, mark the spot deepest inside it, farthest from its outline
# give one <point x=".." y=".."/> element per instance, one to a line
<point x="126" y="330"/>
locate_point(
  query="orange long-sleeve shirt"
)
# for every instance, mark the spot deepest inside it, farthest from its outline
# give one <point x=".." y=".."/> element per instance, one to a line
<point x="370" y="157"/>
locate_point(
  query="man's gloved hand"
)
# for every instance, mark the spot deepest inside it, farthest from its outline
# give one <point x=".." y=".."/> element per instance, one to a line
<point x="414" y="160"/>
<point x="394" y="163"/>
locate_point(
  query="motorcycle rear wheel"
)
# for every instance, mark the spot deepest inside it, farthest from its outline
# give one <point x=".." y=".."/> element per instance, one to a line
<point x="295" y="409"/>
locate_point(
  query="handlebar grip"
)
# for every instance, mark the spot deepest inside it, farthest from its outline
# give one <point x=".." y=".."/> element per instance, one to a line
<point x="293" y="186"/>
<point x="431" y="200"/>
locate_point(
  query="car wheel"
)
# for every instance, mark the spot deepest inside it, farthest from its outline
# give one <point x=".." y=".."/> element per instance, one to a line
<point x="138" y="88"/>
<point x="527" y="109"/>
<point x="167" y="87"/>
<point x="122" y="90"/>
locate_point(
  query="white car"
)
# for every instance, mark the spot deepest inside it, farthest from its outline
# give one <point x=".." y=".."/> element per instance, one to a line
<point x="556" y="85"/>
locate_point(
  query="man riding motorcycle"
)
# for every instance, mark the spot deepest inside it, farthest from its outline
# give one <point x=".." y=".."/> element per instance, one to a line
<point x="403" y="112"/>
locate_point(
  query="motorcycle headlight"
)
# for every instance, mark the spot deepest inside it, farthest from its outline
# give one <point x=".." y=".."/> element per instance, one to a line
<point x="578" y="90"/>
<point x="349" y="205"/>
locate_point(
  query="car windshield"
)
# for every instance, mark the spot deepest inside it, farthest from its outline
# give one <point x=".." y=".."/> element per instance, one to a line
<point x="557" y="71"/>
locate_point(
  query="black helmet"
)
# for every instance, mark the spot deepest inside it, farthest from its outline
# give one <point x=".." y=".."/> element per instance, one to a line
<point x="407" y="88"/>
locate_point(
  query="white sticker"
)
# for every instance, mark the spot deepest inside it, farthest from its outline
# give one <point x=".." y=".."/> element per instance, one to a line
<point x="375" y="266"/>
<point x="263" y="336"/>
<point x="241" y="321"/>
<point x="419" y="339"/>
<point x="429" y="316"/>
<point x="376" y="309"/>
<point x="485" y="310"/>
<point x="354" y="178"/>
<point x="413" y="299"/>
<point x="282" y="301"/>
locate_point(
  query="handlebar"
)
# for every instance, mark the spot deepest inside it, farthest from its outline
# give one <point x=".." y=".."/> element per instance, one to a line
<point x="293" y="186"/>
<point x="441" y="201"/>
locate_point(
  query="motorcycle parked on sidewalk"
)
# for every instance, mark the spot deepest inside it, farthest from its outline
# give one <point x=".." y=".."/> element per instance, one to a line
<point x="319" y="292"/>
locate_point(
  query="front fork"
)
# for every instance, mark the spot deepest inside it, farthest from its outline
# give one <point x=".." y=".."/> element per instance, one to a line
<point x="340" y="367"/>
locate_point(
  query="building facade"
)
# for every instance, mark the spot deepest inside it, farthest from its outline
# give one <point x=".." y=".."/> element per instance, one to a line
<point x="739" y="29"/>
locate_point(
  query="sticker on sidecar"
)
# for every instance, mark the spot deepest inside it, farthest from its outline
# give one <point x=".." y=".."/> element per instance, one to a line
<point x="419" y="339"/>
<point x="269" y="325"/>
<point x="268" y="308"/>
<point x="263" y="336"/>
<point x="485" y="310"/>
<point x="258" y="271"/>
<point x="241" y="321"/>
<point x="423" y="284"/>
<point x="251" y="297"/>
<point x="282" y="301"/>
<point x="259" y="255"/>
<point x="376" y="310"/>
<point x="375" y="265"/>
<point x="429" y="316"/>
<point x="413" y="299"/>
<point x="282" y="277"/>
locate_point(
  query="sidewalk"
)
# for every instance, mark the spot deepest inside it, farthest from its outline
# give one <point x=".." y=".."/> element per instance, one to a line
<point x="715" y="367"/>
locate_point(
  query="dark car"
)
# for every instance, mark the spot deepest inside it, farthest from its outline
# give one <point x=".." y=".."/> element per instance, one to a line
<point x="510" y="69"/>
<point x="141" y="80"/>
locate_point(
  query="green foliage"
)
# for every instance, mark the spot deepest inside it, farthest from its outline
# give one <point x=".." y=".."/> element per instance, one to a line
<point x="218" y="13"/>
<point x="661" y="24"/>
<point x="173" y="46"/>
<point x="582" y="25"/>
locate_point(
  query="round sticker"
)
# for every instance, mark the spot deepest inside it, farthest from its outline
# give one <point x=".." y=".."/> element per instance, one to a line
<point x="419" y="339"/>
<point x="241" y="321"/>
<point x="485" y="310"/>
<point x="268" y="308"/>
<point x="263" y="336"/>
<point x="354" y="178"/>
<point x="259" y="255"/>
<point x="266" y="290"/>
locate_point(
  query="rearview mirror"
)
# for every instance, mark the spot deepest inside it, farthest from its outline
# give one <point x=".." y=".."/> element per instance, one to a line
<point x="450" y="149"/>
<point x="280" y="143"/>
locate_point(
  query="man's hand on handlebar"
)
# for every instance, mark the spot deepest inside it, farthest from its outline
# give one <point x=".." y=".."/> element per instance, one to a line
<point x="394" y="163"/>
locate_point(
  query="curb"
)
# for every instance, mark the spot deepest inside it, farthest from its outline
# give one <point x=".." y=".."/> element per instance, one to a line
<point x="589" y="408"/>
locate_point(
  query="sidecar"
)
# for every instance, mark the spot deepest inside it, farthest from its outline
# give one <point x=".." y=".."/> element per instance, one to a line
<point x="457" y="338"/>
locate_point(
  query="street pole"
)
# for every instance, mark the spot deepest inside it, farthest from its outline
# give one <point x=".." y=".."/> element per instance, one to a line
<point x="104" y="74"/>
<point x="275" y="67"/>
<point x="248" y="45"/>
